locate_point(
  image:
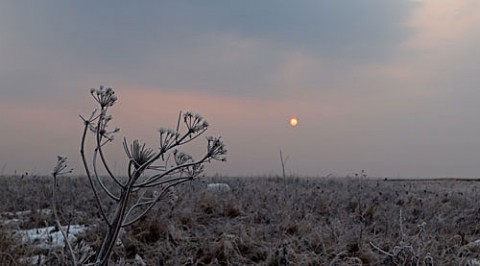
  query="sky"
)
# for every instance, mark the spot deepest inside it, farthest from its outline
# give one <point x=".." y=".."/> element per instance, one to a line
<point x="389" y="87"/>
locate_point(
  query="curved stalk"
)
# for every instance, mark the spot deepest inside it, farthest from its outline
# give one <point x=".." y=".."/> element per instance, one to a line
<point x="198" y="134"/>
<point x="152" y="179"/>
<point x="99" y="180"/>
<point x="85" y="165"/>
<point x="153" y="203"/>
<point x="100" y="150"/>
<point x="103" y="255"/>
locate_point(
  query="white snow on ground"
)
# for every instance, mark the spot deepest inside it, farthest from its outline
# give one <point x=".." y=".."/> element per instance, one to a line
<point x="42" y="238"/>
<point x="219" y="187"/>
<point x="49" y="237"/>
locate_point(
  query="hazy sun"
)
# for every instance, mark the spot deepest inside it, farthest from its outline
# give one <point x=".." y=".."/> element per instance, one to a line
<point x="293" y="121"/>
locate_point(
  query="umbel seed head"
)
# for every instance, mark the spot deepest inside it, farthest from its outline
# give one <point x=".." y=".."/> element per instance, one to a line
<point x="104" y="96"/>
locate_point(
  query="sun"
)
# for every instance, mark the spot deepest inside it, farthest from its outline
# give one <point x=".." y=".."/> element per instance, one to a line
<point x="293" y="121"/>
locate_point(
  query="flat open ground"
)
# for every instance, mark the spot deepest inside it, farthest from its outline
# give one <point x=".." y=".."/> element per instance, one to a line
<point x="268" y="221"/>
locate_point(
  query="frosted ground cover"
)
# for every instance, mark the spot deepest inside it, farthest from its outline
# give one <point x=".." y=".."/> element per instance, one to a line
<point x="305" y="221"/>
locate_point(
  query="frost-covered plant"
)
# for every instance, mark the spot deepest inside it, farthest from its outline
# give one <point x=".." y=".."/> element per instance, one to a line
<point x="60" y="169"/>
<point x="152" y="173"/>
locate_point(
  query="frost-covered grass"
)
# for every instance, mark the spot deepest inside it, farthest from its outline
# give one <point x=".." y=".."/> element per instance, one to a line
<point x="321" y="221"/>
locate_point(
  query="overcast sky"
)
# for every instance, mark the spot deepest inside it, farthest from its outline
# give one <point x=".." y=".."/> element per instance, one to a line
<point x="389" y="87"/>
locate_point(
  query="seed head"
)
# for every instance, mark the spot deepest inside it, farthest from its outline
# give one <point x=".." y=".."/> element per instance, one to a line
<point x="60" y="168"/>
<point x="104" y="96"/>
<point x="138" y="153"/>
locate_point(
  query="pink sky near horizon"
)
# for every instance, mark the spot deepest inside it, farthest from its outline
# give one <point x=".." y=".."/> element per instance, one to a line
<point x="140" y="112"/>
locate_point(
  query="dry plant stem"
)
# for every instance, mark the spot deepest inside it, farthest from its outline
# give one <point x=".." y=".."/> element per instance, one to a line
<point x="380" y="250"/>
<point x="402" y="233"/>
<point x="152" y="203"/>
<point x="109" y="241"/>
<point x="107" y="191"/>
<point x="103" y="255"/>
<point x="85" y="165"/>
<point x="282" y="161"/>
<point x="57" y="221"/>
<point x="100" y="151"/>
<point x="151" y="180"/>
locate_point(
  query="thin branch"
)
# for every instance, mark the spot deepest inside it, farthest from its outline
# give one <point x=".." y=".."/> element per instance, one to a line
<point x="166" y="181"/>
<point x="138" y="203"/>
<point x="130" y="164"/>
<point x="99" y="180"/>
<point x="159" y="197"/>
<point x="198" y="134"/>
<point x="85" y="164"/>
<point x="154" y="178"/>
<point x="100" y="150"/>
<point x="178" y="122"/>
<point x="157" y="167"/>
<point x="402" y="233"/>
<point x="283" y="162"/>
<point x="380" y="250"/>
<point x="180" y="141"/>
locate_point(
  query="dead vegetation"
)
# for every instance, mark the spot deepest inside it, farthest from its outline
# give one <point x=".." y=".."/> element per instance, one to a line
<point x="321" y="221"/>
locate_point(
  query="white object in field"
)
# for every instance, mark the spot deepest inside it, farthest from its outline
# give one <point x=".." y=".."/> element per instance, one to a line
<point x="222" y="187"/>
<point x="48" y="238"/>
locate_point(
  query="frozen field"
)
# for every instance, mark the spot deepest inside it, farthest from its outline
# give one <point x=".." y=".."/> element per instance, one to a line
<point x="266" y="221"/>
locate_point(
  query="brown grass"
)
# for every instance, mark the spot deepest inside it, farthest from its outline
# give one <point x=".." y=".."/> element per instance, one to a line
<point x="321" y="221"/>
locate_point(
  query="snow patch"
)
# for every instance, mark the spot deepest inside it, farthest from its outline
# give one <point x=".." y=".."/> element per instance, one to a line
<point x="220" y="187"/>
<point x="49" y="237"/>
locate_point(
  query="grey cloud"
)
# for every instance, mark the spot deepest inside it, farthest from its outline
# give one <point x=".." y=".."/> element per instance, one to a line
<point x="173" y="44"/>
<point x="362" y="30"/>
